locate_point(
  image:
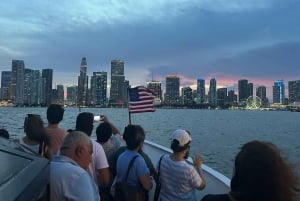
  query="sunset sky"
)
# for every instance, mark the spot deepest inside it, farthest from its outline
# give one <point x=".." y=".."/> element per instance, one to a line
<point x="258" y="40"/>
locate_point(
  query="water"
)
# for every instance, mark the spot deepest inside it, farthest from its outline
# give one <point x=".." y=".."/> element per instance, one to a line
<point x="216" y="134"/>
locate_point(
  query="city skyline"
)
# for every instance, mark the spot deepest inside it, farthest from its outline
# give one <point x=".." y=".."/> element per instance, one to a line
<point x="231" y="40"/>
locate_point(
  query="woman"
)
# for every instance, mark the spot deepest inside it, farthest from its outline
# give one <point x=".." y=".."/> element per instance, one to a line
<point x="138" y="176"/>
<point x="35" y="134"/>
<point x="179" y="180"/>
<point x="260" y="174"/>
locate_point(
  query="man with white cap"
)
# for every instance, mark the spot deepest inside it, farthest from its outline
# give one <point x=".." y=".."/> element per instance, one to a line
<point x="180" y="180"/>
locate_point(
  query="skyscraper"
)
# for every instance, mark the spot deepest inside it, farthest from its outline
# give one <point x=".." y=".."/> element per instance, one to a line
<point x="47" y="75"/>
<point x="118" y="93"/>
<point x="72" y="95"/>
<point x="212" y="93"/>
<point x="187" y="96"/>
<point x="17" y="82"/>
<point x="172" y="90"/>
<point x="99" y="89"/>
<point x="83" y="84"/>
<point x="294" y="91"/>
<point x="156" y="87"/>
<point x="243" y="90"/>
<point x="200" y="91"/>
<point x="278" y="92"/>
<point x="5" y="82"/>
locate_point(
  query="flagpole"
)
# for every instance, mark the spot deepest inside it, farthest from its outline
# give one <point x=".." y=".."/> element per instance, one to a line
<point x="128" y="100"/>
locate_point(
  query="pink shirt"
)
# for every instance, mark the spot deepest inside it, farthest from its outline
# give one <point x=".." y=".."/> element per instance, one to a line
<point x="56" y="137"/>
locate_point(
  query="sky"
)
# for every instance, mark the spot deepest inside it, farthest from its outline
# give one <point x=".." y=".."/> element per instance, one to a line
<point x="228" y="40"/>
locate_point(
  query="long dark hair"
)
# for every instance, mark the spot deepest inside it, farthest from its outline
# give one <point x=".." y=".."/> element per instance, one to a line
<point x="262" y="174"/>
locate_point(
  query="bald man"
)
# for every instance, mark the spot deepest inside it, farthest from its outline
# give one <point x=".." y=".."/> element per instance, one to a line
<point x="69" y="179"/>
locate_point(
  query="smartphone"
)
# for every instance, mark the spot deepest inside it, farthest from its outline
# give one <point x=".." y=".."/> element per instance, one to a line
<point x="97" y="118"/>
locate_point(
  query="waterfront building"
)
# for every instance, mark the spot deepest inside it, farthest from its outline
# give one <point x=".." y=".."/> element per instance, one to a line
<point x="47" y="75"/>
<point x="172" y="90"/>
<point x="231" y="98"/>
<point x="99" y="89"/>
<point x="187" y="96"/>
<point x="28" y="98"/>
<point x="83" y="84"/>
<point x="60" y="99"/>
<point x="250" y="89"/>
<point x="221" y="97"/>
<point x="294" y="91"/>
<point x="72" y="92"/>
<point x="5" y="82"/>
<point x="243" y="91"/>
<point x="278" y="92"/>
<point x="261" y="92"/>
<point x="17" y="82"/>
<point x="212" y="93"/>
<point x="156" y="87"/>
<point x="200" y="91"/>
<point x="118" y="90"/>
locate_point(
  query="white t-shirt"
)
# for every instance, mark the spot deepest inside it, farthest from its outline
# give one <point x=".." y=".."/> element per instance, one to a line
<point x="179" y="180"/>
<point x="99" y="160"/>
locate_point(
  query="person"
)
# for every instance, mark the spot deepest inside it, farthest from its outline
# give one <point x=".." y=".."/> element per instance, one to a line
<point x="99" y="168"/>
<point x="108" y="136"/>
<point x="260" y="173"/>
<point x="69" y="179"/>
<point x="4" y="133"/>
<point x="179" y="180"/>
<point x="55" y="113"/>
<point x="34" y="134"/>
<point x="139" y="175"/>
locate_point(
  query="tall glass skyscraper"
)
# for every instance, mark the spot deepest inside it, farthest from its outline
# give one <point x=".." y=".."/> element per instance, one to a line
<point x="5" y="82"/>
<point x="172" y="90"/>
<point x="83" y="84"/>
<point x="99" y="89"/>
<point x="212" y="93"/>
<point x="47" y="75"/>
<point x="118" y="91"/>
<point x="17" y="81"/>
<point x="200" y="91"/>
<point x="278" y="92"/>
<point x="156" y="87"/>
<point x="294" y="91"/>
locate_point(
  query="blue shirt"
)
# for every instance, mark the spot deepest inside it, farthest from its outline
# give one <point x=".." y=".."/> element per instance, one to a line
<point x="68" y="181"/>
<point x="137" y="169"/>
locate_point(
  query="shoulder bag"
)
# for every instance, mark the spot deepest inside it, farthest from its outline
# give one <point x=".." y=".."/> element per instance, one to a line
<point x="127" y="192"/>
<point x="158" y="184"/>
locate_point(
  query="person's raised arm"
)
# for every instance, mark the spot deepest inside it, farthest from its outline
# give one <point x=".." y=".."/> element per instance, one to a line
<point x="198" y="163"/>
<point x="114" y="129"/>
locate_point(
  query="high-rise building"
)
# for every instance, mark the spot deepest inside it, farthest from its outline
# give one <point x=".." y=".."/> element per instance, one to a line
<point x="232" y="98"/>
<point x="60" y="99"/>
<point x="212" y="93"/>
<point x="17" y="82"/>
<point x="221" y="97"/>
<point x="118" y="93"/>
<point x="156" y="87"/>
<point x="294" y="91"/>
<point x="200" y="91"/>
<point x="83" y="84"/>
<point x="250" y="89"/>
<point x="172" y="90"/>
<point x="278" y="92"/>
<point x="243" y="90"/>
<point x="72" y="95"/>
<point x="261" y="92"/>
<point x="187" y="96"/>
<point x="47" y="74"/>
<point x="5" y="82"/>
<point x="99" y="89"/>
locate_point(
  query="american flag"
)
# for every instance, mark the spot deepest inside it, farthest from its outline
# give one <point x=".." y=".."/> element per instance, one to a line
<point x="141" y="100"/>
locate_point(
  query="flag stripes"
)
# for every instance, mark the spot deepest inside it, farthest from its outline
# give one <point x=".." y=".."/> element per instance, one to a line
<point x="141" y="100"/>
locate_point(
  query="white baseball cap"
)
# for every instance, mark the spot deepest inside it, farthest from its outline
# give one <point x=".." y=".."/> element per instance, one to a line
<point x="182" y="136"/>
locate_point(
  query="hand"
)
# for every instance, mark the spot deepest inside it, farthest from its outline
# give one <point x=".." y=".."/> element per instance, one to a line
<point x="103" y="118"/>
<point x="197" y="160"/>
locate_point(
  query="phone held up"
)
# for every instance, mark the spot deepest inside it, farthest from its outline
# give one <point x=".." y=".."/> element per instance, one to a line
<point x="98" y="117"/>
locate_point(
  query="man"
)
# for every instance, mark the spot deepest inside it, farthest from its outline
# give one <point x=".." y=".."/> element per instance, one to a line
<point x="55" y="134"/>
<point x="69" y="179"/>
<point x="99" y="168"/>
<point x="179" y="180"/>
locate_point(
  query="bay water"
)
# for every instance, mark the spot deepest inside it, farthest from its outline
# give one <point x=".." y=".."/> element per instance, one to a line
<point x="216" y="134"/>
